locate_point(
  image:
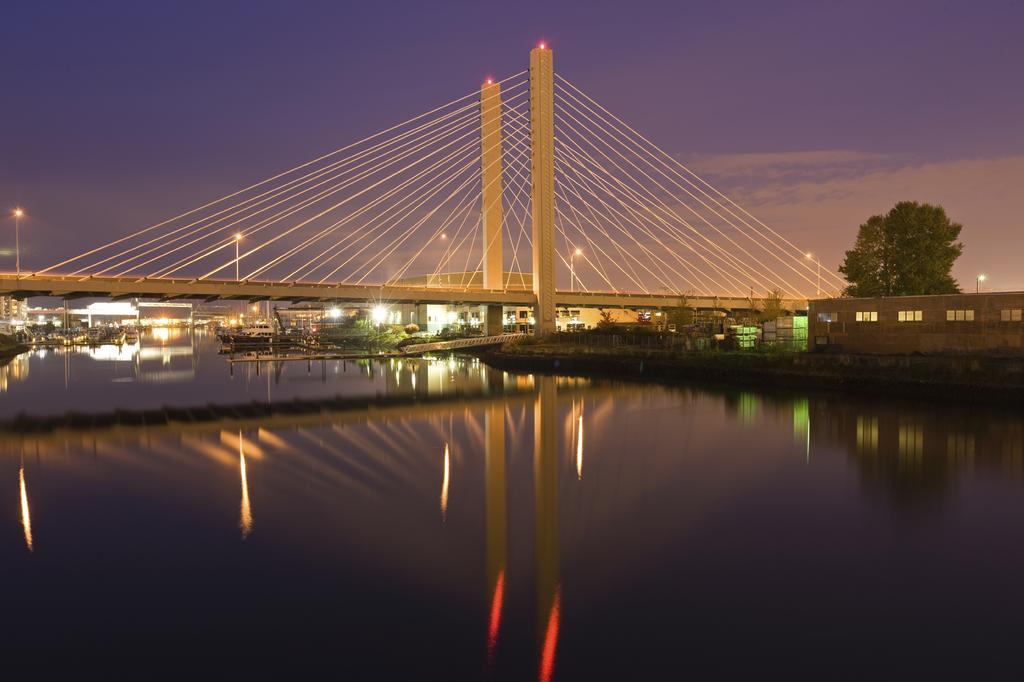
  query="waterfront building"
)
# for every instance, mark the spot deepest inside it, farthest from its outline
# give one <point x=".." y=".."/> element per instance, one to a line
<point x="12" y="309"/>
<point x="987" y="323"/>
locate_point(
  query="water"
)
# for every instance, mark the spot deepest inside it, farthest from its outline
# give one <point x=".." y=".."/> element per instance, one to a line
<point x="511" y="527"/>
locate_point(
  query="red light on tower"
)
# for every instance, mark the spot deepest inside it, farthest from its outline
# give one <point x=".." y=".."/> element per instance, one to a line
<point x="489" y="81"/>
<point x="542" y="45"/>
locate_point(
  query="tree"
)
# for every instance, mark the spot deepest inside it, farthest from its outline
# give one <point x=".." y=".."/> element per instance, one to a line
<point x="680" y="316"/>
<point x="770" y="307"/>
<point x="606" y="320"/>
<point x="908" y="251"/>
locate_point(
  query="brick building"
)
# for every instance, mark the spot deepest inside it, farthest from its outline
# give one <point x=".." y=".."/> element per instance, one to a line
<point x="988" y="323"/>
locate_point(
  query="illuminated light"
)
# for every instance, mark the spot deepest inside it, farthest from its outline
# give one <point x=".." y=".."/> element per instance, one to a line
<point x="451" y="316"/>
<point x="26" y="521"/>
<point x="579" y="252"/>
<point x="334" y="313"/>
<point x="542" y="45"/>
<point x="379" y="314"/>
<point x="490" y="81"/>
<point x="494" y="624"/>
<point x="808" y="255"/>
<point x="238" y="236"/>
<point x="579" y="450"/>
<point x="245" y="514"/>
<point x="444" y="484"/>
<point x="18" y="213"/>
<point x="444" y="235"/>
<point x="547" y="657"/>
<point x="981" y="278"/>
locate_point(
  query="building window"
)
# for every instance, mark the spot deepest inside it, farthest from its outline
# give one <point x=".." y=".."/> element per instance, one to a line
<point x="908" y="316"/>
<point x="960" y="316"/>
<point x="828" y="317"/>
<point x="1010" y="315"/>
<point x="867" y="316"/>
<point x="522" y="314"/>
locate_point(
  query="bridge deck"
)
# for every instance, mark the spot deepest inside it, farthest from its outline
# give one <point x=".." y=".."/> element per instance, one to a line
<point x="211" y="290"/>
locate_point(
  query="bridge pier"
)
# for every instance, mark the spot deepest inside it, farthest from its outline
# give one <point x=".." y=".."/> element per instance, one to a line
<point x="542" y="141"/>
<point x="494" y="320"/>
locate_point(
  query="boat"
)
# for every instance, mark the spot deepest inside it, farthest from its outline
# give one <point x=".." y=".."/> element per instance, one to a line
<point x="258" y="334"/>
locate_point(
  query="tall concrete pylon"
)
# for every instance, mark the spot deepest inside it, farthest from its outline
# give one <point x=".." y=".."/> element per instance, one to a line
<point x="542" y="142"/>
<point x="491" y="209"/>
<point x="491" y="160"/>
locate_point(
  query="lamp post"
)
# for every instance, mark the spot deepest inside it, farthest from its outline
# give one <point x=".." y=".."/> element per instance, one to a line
<point x="572" y="268"/>
<point x="811" y="256"/>
<point x="977" y="283"/>
<point x="17" y="241"/>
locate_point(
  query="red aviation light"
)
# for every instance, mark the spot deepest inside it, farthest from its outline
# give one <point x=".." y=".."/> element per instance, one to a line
<point x="542" y="45"/>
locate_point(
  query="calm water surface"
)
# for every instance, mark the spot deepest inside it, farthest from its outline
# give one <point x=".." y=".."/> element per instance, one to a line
<point x="515" y="527"/>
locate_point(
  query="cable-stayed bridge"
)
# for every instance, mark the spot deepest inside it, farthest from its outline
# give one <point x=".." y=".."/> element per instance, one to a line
<point x="527" y="192"/>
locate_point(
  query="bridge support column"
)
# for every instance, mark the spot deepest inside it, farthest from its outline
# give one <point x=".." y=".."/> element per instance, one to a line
<point x="490" y="178"/>
<point x="542" y="137"/>
<point x="494" y="320"/>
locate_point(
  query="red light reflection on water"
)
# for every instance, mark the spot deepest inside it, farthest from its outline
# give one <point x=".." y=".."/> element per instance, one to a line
<point x="494" y="624"/>
<point x="547" y="656"/>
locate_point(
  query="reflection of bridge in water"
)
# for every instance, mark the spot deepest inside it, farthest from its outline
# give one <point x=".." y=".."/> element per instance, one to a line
<point x="434" y="448"/>
<point x="496" y="412"/>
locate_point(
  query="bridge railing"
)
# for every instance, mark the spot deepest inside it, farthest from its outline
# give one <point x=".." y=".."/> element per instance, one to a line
<point x="471" y="342"/>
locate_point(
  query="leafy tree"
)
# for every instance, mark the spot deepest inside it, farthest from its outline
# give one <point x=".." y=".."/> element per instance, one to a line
<point x="908" y="251"/>
<point x="606" y="319"/>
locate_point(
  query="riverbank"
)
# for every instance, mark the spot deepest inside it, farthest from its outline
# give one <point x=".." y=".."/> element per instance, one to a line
<point x="960" y="378"/>
<point x="9" y="347"/>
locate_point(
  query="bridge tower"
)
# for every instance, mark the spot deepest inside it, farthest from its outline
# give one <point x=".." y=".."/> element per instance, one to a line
<point x="491" y="208"/>
<point x="542" y="142"/>
<point x="491" y="160"/>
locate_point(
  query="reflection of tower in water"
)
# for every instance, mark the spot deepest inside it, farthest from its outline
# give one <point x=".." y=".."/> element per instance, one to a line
<point x="497" y="518"/>
<point x="546" y="541"/>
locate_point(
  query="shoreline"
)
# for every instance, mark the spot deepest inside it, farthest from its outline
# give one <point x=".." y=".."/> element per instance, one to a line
<point x="970" y="379"/>
<point x="13" y="351"/>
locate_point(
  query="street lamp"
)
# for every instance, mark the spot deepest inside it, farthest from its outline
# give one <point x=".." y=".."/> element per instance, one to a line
<point x="572" y="268"/>
<point x="811" y="256"/>
<point x="17" y="240"/>
<point x="977" y="283"/>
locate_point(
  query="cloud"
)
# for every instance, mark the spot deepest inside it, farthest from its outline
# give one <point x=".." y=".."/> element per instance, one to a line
<point x="780" y="164"/>
<point x="818" y="200"/>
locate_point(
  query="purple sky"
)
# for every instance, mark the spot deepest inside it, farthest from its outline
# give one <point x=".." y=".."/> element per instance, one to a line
<point x="814" y="115"/>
